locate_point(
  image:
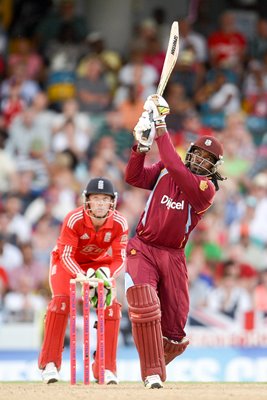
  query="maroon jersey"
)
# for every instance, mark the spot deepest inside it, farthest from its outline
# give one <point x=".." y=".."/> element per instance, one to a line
<point x="80" y="246"/>
<point x="178" y="198"/>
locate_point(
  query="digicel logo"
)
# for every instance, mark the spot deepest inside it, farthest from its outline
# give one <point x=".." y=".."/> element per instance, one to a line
<point x="172" y="204"/>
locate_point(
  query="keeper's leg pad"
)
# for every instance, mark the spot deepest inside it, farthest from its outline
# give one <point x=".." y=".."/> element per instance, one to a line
<point x="173" y="349"/>
<point x="145" y="315"/>
<point x="56" y="320"/>
<point x="112" y="330"/>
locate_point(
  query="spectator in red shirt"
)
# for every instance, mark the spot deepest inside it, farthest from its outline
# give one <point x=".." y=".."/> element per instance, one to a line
<point x="227" y="46"/>
<point x="12" y="105"/>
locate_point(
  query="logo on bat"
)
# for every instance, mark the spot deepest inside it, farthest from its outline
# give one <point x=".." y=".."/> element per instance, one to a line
<point x="174" y="44"/>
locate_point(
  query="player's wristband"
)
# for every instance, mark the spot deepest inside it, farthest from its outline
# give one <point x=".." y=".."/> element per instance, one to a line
<point x="160" y="123"/>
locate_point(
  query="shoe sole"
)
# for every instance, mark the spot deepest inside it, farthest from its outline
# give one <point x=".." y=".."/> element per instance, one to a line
<point x="52" y="380"/>
<point x="156" y="386"/>
<point x="112" y="383"/>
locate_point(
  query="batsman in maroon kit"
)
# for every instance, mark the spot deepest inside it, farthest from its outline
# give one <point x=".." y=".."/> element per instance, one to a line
<point x="156" y="273"/>
<point x="91" y="244"/>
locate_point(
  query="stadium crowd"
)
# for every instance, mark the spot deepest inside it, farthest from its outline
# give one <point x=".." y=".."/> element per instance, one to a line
<point x="68" y="107"/>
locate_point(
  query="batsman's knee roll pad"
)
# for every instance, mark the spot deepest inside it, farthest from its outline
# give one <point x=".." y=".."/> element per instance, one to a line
<point x="145" y="315"/>
<point x="56" y="320"/>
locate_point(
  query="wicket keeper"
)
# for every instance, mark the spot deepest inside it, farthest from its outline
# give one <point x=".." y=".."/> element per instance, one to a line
<point x="92" y="243"/>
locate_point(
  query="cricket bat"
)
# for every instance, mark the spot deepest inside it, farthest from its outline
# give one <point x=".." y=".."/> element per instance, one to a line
<point x="169" y="63"/>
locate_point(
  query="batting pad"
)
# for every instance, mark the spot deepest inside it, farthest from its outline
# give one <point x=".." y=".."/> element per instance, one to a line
<point x="173" y="349"/>
<point x="56" y="320"/>
<point x="112" y="329"/>
<point x="145" y="315"/>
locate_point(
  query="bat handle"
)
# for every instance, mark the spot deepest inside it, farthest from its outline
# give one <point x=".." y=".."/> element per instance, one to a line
<point x="145" y="134"/>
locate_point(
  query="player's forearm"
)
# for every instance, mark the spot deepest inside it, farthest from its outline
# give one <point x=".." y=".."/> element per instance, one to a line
<point x="141" y="176"/>
<point x="70" y="265"/>
<point x="172" y="161"/>
<point x="161" y="131"/>
<point x="168" y="154"/>
<point x="134" y="167"/>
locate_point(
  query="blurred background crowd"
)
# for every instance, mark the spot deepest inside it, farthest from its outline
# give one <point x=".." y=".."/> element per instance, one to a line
<point x="68" y="105"/>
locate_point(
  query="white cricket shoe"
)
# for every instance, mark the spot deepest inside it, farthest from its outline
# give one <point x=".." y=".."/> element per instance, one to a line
<point x="110" y="378"/>
<point x="50" y="373"/>
<point x="153" y="382"/>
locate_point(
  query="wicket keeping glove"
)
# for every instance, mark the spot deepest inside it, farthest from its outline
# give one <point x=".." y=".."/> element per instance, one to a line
<point x="81" y="277"/>
<point x="91" y="274"/>
<point x="144" y="125"/>
<point x="159" y="108"/>
<point x="103" y="273"/>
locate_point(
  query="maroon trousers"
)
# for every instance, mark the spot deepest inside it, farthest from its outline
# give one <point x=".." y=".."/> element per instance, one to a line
<point x="165" y="270"/>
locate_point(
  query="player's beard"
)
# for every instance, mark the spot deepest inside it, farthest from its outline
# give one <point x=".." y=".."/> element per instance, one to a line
<point x="197" y="170"/>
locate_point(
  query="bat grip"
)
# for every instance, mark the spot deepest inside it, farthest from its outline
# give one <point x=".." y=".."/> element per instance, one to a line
<point x="145" y="134"/>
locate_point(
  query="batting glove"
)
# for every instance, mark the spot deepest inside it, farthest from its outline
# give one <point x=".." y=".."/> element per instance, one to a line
<point x="159" y="108"/>
<point x="144" y="132"/>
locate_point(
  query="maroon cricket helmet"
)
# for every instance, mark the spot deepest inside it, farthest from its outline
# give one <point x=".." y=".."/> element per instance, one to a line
<point x="210" y="144"/>
<point x="199" y="165"/>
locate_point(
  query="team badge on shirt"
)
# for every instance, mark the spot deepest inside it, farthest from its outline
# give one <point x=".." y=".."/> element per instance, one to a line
<point x="107" y="237"/>
<point x="203" y="185"/>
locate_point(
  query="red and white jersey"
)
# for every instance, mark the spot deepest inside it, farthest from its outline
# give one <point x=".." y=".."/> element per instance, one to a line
<point x="226" y="47"/>
<point x="80" y="246"/>
<point x="177" y="200"/>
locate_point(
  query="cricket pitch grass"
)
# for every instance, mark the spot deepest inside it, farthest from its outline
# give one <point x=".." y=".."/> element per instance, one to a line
<point x="132" y="391"/>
